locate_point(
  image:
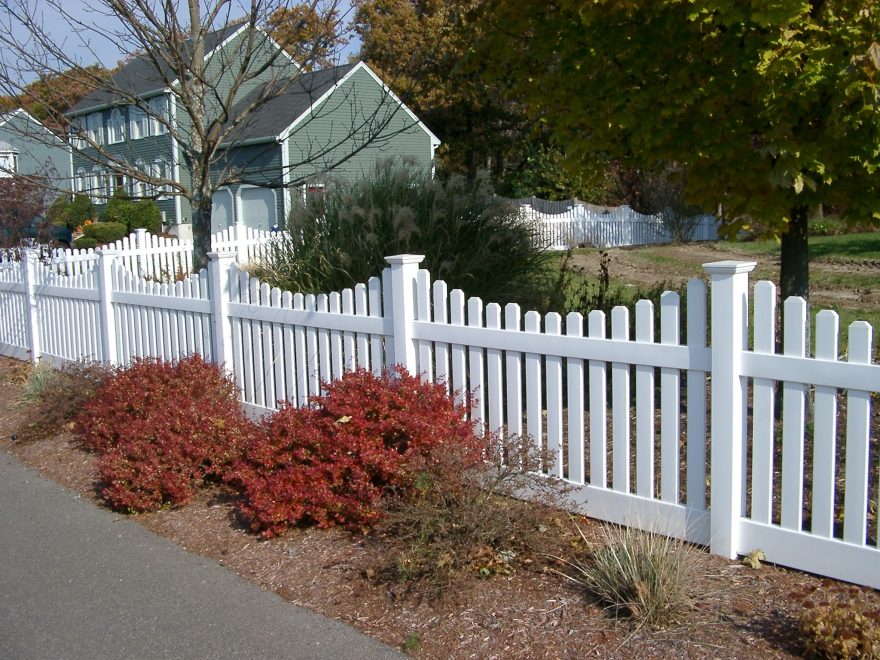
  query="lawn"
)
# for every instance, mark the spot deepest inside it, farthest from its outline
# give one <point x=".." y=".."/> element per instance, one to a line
<point x="844" y="270"/>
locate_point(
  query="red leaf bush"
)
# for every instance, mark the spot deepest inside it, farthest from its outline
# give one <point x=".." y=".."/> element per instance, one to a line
<point x="161" y="429"/>
<point x="330" y="464"/>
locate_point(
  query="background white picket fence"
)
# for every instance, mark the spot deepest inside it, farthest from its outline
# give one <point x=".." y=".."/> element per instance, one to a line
<point x="160" y="258"/>
<point x="584" y="224"/>
<point x="623" y="415"/>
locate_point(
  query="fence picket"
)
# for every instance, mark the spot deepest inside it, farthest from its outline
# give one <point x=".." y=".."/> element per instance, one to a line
<point x="620" y="434"/>
<point x="793" y="418"/>
<point x="423" y="313"/>
<point x="858" y="437"/>
<point x="287" y="342"/>
<point x="302" y="355"/>
<point x="322" y="304"/>
<point x="280" y="358"/>
<point x="362" y="339"/>
<point x="534" y="403"/>
<point x="441" y="348"/>
<point x="476" y="382"/>
<point x="825" y="430"/>
<point x="763" y="403"/>
<point x="336" y="356"/>
<point x="458" y="356"/>
<point x="494" y="375"/>
<point x="598" y="407"/>
<point x="697" y="322"/>
<point x="574" y="327"/>
<point x="670" y="401"/>
<point x="553" y="365"/>
<point x="348" y="345"/>
<point x="513" y="372"/>
<point x="314" y="379"/>
<point x="645" y="404"/>
<point x="377" y="360"/>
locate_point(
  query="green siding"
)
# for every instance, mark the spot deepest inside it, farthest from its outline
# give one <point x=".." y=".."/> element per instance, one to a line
<point x="358" y="124"/>
<point x="40" y="152"/>
<point x="147" y="150"/>
<point x="225" y="65"/>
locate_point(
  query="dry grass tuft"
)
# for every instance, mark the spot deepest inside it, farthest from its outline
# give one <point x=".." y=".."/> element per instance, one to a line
<point x="644" y="575"/>
<point x="52" y="398"/>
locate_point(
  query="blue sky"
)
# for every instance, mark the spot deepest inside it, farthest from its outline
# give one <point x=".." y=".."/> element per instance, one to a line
<point x="88" y="45"/>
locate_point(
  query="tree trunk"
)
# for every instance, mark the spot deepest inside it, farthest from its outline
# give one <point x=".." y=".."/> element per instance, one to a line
<point x="794" y="269"/>
<point x="201" y="229"/>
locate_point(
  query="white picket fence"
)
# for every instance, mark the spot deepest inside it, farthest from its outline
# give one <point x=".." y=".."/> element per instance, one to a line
<point x="610" y="227"/>
<point x="162" y="258"/>
<point x="621" y="408"/>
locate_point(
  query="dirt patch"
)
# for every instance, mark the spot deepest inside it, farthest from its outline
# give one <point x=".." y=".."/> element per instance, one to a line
<point x="532" y="613"/>
<point x="675" y="264"/>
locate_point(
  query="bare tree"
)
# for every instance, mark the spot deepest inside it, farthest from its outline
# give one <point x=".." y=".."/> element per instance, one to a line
<point x="215" y="97"/>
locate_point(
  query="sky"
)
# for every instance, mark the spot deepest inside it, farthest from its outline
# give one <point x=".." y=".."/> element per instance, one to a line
<point x="88" y="46"/>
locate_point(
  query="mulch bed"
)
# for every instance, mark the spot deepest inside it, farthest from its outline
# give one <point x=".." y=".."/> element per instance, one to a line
<point x="531" y="613"/>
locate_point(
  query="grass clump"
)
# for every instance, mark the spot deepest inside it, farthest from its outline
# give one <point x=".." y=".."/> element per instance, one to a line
<point x="54" y="397"/>
<point x="643" y="575"/>
<point x="471" y="239"/>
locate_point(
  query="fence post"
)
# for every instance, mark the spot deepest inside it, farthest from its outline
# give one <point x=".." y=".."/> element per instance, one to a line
<point x="400" y="302"/>
<point x="219" y="291"/>
<point x="106" y="313"/>
<point x="29" y="277"/>
<point x="730" y="305"/>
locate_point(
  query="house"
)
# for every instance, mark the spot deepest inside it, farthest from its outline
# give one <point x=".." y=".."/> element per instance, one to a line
<point x="30" y="149"/>
<point x="324" y="124"/>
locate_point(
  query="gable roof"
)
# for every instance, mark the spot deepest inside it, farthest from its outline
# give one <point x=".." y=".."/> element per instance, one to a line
<point x="6" y="117"/>
<point x="139" y="76"/>
<point x="276" y="114"/>
<point x="277" y="117"/>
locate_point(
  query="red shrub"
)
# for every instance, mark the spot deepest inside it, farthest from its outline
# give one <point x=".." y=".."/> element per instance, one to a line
<point x="330" y="464"/>
<point x="161" y="428"/>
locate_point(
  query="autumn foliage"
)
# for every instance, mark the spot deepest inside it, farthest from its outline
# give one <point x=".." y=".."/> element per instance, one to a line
<point x="162" y="429"/>
<point x="331" y="463"/>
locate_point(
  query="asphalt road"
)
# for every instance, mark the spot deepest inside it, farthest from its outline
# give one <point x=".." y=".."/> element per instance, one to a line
<point x="77" y="581"/>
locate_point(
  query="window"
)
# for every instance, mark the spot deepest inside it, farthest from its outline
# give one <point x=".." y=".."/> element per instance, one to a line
<point x="82" y="183"/>
<point x="115" y="132"/>
<point x="95" y="127"/>
<point x="119" y="182"/>
<point x="76" y="132"/>
<point x="158" y="112"/>
<point x="137" y="123"/>
<point x="139" y="187"/>
<point x="95" y="185"/>
<point x="8" y="162"/>
<point x="159" y="169"/>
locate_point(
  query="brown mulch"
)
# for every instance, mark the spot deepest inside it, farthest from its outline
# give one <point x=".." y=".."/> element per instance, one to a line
<point x="531" y="613"/>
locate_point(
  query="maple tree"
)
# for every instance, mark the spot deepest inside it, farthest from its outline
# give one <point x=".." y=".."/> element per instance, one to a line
<point x="773" y="107"/>
<point x="418" y="45"/>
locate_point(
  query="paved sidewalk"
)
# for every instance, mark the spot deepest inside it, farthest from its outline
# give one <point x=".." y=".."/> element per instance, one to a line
<point x="77" y="581"/>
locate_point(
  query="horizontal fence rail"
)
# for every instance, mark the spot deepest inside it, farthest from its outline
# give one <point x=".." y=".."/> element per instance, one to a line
<point x="619" y="406"/>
